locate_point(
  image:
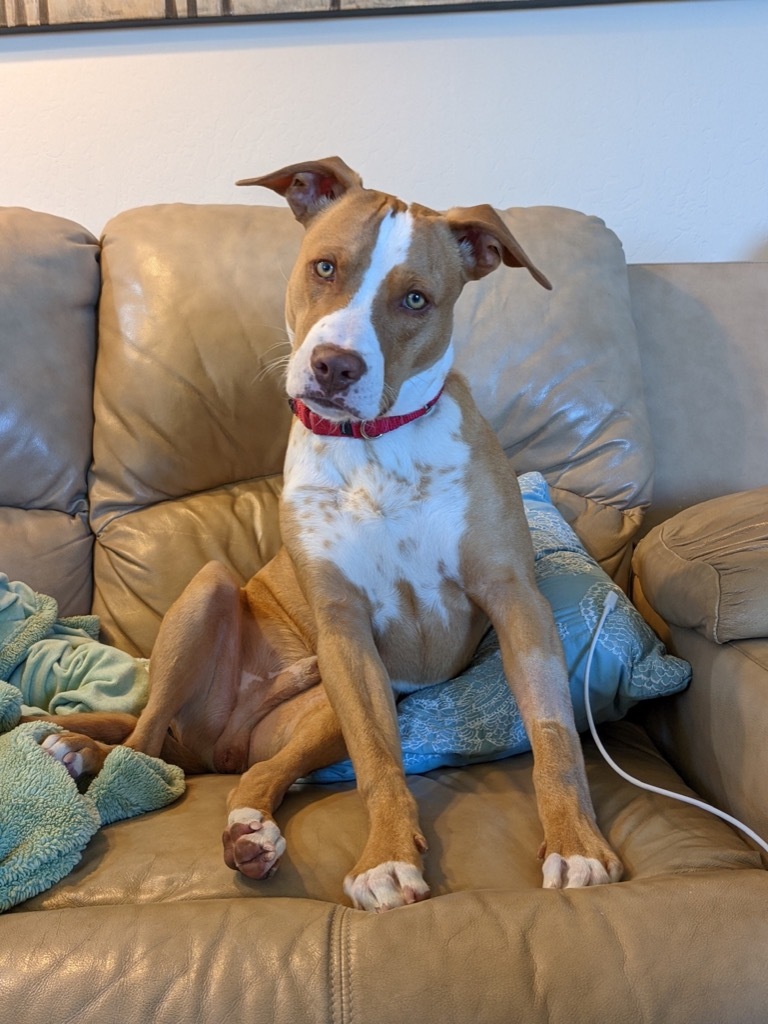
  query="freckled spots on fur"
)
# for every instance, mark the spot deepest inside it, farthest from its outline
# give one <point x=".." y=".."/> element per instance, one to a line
<point x="363" y="505"/>
<point x="424" y="486"/>
<point x="406" y="546"/>
<point x="401" y="518"/>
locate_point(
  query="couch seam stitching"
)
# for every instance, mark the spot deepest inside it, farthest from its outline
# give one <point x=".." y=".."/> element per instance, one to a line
<point x="716" y="623"/>
<point x="737" y="646"/>
<point x="347" y="972"/>
<point x="332" y="958"/>
<point x="338" y="964"/>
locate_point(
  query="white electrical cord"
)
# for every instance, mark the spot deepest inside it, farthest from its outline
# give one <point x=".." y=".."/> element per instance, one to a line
<point x="608" y="605"/>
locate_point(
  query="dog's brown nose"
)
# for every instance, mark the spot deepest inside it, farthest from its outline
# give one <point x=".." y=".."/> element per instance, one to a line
<point x="336" y="368"/>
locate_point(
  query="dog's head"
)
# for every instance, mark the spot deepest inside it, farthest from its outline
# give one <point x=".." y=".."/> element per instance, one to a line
<point x="370" y="301"/>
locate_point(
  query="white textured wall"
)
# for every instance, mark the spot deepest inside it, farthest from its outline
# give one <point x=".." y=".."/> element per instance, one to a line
<point x="652" y="115"/>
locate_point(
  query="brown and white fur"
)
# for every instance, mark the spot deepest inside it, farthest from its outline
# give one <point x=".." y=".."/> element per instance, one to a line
<point x="398" y="552"/>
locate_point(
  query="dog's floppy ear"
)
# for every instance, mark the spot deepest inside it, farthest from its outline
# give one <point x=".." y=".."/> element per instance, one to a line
<point x="485" y="241"/>
<point x="309" y="187"/>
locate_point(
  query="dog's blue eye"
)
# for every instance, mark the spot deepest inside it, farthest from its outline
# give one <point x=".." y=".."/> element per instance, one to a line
<point x="325" y="269"/>
<point x="415" y="301"/>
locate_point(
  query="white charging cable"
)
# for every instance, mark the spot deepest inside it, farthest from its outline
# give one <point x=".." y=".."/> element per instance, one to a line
<point x="608" y="605"/>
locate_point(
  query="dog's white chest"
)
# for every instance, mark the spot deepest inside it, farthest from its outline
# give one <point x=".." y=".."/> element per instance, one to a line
<point x="389" y="514"/>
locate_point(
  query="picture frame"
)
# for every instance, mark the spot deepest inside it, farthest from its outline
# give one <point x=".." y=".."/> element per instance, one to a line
<point x="62" y="15"/>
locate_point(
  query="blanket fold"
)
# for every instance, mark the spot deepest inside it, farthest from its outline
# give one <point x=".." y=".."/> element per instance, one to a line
<point x="52" y="665"/>
<point x="57" y="663"/>
<point x="45" y="821"/>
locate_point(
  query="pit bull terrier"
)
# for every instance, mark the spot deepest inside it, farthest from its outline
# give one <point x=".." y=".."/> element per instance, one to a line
<point x="404" y="537"/>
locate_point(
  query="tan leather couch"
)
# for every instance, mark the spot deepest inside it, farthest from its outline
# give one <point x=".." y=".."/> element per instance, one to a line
<point x="142" y="430"/>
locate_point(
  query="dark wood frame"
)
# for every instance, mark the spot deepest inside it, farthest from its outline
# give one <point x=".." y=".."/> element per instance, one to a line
<point x="41" y="15"/>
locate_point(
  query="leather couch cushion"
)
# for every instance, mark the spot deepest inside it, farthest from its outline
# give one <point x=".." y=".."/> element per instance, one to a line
<point x="163" y="931"/>
<point x="52" y="552"/>
<point x="191" y="419"/>
<point x="556" y="374"/>
<point x="707" y="567"/>
<point x="49" y="286"/>
<point x="714" y="733"/>
<point x="702" y="339"/>
<point x="481" y="824"/>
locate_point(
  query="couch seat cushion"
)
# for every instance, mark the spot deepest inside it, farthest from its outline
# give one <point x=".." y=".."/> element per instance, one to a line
<point x="163" y="931"/>
<point x="480" y="822"/>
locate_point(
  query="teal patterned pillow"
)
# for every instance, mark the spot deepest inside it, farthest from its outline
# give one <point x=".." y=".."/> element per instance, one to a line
<point x="475" y="718"/>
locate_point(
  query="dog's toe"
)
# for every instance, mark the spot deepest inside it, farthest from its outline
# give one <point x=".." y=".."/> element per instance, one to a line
<point x="389" y="885"/>
<point x="253" y="843"/>
<point x="576" y="872"/>
<point x="80" y="755"/>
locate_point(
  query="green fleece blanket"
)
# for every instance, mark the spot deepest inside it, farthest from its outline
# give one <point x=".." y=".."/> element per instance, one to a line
<point x="53" y="665"/>
<point x="56" y="663"/>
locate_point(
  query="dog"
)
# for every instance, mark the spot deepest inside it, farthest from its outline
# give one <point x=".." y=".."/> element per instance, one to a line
<point x="404" y="536"/>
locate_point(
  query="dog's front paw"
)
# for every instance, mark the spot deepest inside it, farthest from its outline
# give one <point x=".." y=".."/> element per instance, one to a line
<point x="576" y="872"/>
<point x="80" y="755"/>
<point x="389" y="885"/>
<point x="253" y="844"/>
<point x="576" y="854"/>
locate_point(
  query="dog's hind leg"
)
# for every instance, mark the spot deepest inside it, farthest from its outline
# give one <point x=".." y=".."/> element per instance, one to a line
<point x="87" y="739"/>
<point x="298" y="738"/>
<point x="110" y="727"/>
<point x="197" y="652"/>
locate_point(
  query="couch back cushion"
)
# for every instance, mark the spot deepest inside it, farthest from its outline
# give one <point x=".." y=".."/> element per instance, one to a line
<point x="702" y="339"/>
<point x="49" y="286"/>
<point x="191" y="419"/>
<point x="558" y="375"/>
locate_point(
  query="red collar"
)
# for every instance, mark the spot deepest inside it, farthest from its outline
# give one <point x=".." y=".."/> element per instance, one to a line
<point x="364" y="429"/>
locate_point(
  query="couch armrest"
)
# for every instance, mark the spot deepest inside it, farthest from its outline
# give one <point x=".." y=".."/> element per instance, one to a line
<point x="701" y="580"/>
<point x="707" y="567"/>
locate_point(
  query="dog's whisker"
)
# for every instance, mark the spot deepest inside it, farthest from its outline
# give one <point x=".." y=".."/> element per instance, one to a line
<point x="277" y="366"/>
<point x="280" y="328"/>
<point x="388" y="396"/>
<point x="278" y="344"/>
